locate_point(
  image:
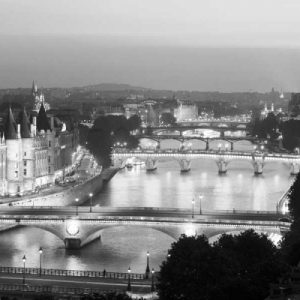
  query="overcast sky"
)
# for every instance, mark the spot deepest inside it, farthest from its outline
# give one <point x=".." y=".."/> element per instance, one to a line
<point x="164" y="44"/>
<point x="201" y="22"/>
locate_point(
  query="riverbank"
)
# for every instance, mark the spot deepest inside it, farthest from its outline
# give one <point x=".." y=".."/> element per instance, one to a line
<point x="65" y="195"/>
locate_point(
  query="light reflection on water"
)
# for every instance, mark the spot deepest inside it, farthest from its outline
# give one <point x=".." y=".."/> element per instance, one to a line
<point x="121" y="247"/>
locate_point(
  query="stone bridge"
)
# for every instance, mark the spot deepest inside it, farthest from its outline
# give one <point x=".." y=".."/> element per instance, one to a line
<point x="78" y="229"/>
<point x="222" y="157"/>
<point x="220" y="126"/>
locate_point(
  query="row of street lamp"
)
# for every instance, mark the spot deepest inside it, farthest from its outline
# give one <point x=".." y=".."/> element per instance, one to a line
<point x="147" y="273"/>
<point x="24" y="264"/>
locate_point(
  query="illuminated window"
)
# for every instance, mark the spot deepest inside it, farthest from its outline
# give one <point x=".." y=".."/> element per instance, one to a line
<point x="49" y="159"/>
<point x="24" y="153"/>
<point x="25" y="163"/>
<point x="25" y="172"/>
<point x="16" y="174"/>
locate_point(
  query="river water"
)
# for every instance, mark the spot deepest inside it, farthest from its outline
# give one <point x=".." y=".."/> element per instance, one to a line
<point x="121" y="247"/>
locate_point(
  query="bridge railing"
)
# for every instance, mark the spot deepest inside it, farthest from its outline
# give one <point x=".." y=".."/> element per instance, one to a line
<point x="11" y="288"/>
<point x="71" y="273"/>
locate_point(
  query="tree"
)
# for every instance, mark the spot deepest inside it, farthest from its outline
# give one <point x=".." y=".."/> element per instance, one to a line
<point x="291" y="241"/>
<point x="134" y="122"/>
<point x="167" y="119"/>
<point x="233" y="267"/>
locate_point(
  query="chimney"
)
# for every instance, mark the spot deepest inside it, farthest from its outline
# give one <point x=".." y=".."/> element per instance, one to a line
<point x="19" y="131"/>
<point x="32" y="130"/>
<point x="52" y="123"/>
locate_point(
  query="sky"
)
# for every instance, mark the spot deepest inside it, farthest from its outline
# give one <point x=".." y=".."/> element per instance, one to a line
<point x="139" y="25"/>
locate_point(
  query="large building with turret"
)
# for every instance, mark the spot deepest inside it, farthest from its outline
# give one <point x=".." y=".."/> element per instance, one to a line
<point x="33" y="154"/>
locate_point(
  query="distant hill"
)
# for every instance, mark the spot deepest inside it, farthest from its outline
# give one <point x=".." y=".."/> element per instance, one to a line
<point x="113" y="87"/>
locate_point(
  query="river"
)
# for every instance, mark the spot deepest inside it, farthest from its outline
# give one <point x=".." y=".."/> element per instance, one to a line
<point x="121" y="247"/>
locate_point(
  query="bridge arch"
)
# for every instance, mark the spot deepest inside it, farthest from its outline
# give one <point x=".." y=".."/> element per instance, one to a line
<point x="148" y="142"/>
<point x="215" y="143"/>
<point x="195" y="144"/>
<point x="167" y="132"/>
<point x="243" y="145"/>
<point x="94" y="233"/>
<point x="170" y="144"/>
<point x="46" y="227"/>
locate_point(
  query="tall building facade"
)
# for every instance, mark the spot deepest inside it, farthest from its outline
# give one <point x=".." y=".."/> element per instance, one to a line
<point x="33" y="154"/>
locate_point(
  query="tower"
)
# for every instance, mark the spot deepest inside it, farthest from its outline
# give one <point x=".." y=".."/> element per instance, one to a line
<point x="14" y="155"/>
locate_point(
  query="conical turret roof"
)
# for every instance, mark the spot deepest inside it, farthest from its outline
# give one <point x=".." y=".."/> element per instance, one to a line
<point x="10" y="126"/>
<point x="25" y="124"/>
<point x="42" y="120"/>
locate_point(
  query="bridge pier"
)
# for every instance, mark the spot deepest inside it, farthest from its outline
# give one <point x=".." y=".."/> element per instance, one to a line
<point x="258" y="167"/>
<point x="295" y="168"/>
<point x="222" y="165"/>
<point x="185" y="165"/>
<point x="151" y="164"/>
<point x="72" y="243"/>
<point x="206" y="145"/>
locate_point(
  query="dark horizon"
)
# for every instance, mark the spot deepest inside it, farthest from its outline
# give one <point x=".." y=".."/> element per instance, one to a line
<point x="79" y="61"/>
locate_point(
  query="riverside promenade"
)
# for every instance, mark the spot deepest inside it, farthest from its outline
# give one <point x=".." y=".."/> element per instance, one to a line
<point x="64" y="195"/>
<point x="72" y="283"/>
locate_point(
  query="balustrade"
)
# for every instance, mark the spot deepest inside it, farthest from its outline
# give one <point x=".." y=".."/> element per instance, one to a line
<point x="71" y="273"/>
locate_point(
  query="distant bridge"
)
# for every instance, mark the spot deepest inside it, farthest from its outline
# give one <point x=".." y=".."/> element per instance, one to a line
<point x="205" y="143"/>
<point x="78" y="230"/>
<point x="220" y="126"/>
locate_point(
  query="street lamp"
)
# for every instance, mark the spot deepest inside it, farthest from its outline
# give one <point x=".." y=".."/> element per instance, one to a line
<point x="152" y="284"/>
<point x="129" y="283"/>
<point x="76" y="200"/>
<point x="200" y="198"/>
<point x="91" y="196"/>
<point x="147" y="267"/>
<point x="41" y="252"/>
<point x="193" y="204"/>
<point x="24" y="261"/>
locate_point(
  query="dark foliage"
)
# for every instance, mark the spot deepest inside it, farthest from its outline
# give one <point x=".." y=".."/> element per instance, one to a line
<point x="106" y="296"/>
<point x="266" y="127"/>
<point x="291" y="134"/>
<point x="291" y="241"/>
<point x="167" y="119"/>
<point x="107" y="131"/>
<point x="234" y="267"/>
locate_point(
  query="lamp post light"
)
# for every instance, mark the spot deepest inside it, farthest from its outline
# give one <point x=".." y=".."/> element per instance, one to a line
<point x="152" y="282"/>
<point x="76" y="200"/>
<point x="41" y="252"/>
<point x="200" y="199"/>
<point x="147" y="267"/>
<point x="129" y="283"/>
<point x="24" y="261"/>
<point x="193" y="208"/>
<point x="91" y="201"/>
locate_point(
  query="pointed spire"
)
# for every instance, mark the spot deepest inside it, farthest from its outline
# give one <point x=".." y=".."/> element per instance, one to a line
<point x="42" y="120"/>
<point x="25" y="124"/>
<point x="34" y="88"/>
<point x="10" y="126"/>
